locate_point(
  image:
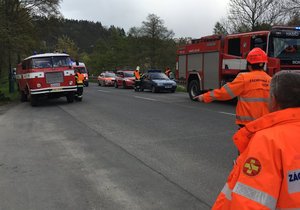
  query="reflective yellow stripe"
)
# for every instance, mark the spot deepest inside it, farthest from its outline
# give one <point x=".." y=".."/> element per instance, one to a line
<point x="229" y="91"/>
<point x="255" y="195"/>
<point x="212" y="95"/>
<point x="254" y="99"/>
<point x="227" y="191"/>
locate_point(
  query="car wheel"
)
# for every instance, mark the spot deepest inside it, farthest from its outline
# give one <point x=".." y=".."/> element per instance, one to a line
<point x="153" y="89"/>
<point x="116" y="84"/>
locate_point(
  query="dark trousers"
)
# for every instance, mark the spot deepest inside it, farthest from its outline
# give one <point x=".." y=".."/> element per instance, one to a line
<point x="79" y="90"/>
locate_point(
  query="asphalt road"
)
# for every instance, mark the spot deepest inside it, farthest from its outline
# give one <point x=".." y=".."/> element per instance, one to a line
<point x="117" y="149"/>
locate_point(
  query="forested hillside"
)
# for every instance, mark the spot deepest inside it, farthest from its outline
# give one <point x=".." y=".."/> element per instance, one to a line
<point x="84" y="33"/>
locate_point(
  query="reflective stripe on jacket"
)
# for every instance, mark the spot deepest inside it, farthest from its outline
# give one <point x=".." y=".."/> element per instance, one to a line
<point x="266" y="175"/>
<point x="252" y="89"/>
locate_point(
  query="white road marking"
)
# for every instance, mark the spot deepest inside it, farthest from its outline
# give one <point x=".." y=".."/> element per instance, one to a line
<point x="228" y="113"/>
<point x="150" y="99"/>
<point x="104" y="91"/>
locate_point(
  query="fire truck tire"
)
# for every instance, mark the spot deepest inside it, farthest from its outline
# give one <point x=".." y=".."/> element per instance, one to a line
<point x="34" y="100"/>
<point x="194" y="89"/>
<point x="116" y="85"/>
<point x="70" y="97"/>
<point x="23" y="96"/>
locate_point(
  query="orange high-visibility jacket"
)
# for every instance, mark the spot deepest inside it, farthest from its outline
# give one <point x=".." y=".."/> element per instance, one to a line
<point x="137" y="75"/>
<point x="252" y="90"/>
<point x="266" y="175"/>
<point x="79" y="78"/>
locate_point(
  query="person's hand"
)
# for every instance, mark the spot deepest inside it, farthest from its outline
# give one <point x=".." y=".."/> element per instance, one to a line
<point x="199" y="98"/>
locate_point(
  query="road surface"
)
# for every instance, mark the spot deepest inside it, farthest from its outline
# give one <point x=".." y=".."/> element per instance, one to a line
<point x="117" y="149"/>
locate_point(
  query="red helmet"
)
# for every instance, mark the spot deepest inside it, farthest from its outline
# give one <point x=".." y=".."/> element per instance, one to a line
<point x="257" y="55"/>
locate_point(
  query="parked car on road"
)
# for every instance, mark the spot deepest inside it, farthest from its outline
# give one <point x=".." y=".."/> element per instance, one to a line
<point x="156" y="81"/>
<point x="125" y="79"/>
<point x="106" y="79"/>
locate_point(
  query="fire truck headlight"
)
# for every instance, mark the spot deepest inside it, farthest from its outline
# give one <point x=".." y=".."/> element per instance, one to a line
<point x="38" y="85"/>
<point x="70" y="82"/>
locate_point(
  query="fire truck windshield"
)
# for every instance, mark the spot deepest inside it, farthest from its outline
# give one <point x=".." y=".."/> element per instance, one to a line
<point x="50" y="62"/>
<point x="285" y="48"/>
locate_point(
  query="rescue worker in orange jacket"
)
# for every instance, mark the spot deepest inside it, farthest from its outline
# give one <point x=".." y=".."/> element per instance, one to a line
<point x="251" y="88"/>
<point x="168" y="71"/>
<point x="267" y="173"/>
<point x="79" y="78"/>
<point x="137" y="82"/>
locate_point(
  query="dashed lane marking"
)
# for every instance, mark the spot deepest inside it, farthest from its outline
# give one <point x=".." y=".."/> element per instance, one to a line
<point x="149" y="99"/>
<point x="228" y="113"/>
<point x="104" y="91"/>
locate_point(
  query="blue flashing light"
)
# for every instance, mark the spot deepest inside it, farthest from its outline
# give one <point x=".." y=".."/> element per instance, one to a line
<point x="297" y="28"/>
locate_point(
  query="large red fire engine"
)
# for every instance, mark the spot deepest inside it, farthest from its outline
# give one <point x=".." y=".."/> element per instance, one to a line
<point x="49" y="74"/>
<point x="211" y="61"/>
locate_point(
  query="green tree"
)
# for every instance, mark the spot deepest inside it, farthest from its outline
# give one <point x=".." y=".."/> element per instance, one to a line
<point x="157" y="43"/>
<point x="16" y="29"/>
<point x="220" y="29"/>
<point x="65" y="44"/>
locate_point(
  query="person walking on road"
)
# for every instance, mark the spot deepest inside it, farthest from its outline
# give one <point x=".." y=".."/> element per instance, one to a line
<point x="137" y="82"/>
<point x="79" y="82"/>
<point x="266" y="175"/>
<point x="251" y="88"/>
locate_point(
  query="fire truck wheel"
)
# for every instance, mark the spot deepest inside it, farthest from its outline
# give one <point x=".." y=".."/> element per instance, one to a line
<point x="70" y="97"/>
<point x="34" y="100"/>
<point x="23" y="96"/>
<point x="116" y="85"/>
<point x="194" y="89"/>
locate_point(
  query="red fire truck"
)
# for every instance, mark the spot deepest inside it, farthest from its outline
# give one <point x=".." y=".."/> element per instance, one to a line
<point x="50" y="75"/>
<point x="211" y="61"/>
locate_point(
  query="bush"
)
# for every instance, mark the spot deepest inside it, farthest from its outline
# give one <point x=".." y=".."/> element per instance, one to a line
<point x="181" y="88"/>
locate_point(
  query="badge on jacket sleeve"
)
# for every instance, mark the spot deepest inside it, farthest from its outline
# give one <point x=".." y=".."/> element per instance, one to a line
<point x="293" y="179"/>
<point x="252" y="167"/>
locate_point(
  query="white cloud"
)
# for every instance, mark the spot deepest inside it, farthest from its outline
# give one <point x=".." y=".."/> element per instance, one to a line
<point x="187" y="18"/>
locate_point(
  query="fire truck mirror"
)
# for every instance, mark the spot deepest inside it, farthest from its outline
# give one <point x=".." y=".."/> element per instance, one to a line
<point x="23" y="66"/>
<point x="77" y="63"/>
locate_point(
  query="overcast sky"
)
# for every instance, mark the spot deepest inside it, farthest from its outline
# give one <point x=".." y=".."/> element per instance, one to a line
<point x="187" y="18"/>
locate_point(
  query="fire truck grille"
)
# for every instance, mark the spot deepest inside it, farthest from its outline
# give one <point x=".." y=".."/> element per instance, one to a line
<point x="54" y="77"/>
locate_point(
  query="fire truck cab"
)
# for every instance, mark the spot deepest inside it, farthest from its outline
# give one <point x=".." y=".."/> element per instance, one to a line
<point x="46" y="75"/>
<point x="211" y="61"/>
